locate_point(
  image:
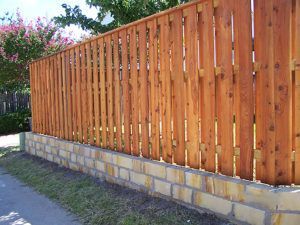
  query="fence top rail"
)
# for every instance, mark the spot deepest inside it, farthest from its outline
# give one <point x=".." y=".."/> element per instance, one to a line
<point x="145" y="19"/>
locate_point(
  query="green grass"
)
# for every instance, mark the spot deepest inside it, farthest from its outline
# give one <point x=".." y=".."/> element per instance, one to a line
<point x="96" y="202"/>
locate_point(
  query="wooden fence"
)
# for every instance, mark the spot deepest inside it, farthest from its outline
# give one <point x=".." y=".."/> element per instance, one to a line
<point x="213" y="85"/>
<point x="13" y="102"/>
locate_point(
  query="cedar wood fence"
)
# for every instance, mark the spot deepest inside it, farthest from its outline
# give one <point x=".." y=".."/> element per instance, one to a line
<point x="209" y="84"/>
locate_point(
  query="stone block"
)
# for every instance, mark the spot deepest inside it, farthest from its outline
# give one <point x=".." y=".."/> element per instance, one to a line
<point x="106" y="156"/>
<point x="138" y="165"/>
<point x="175" y="175"/>
<point x="141" y="179"/>
<point x="122" y="161"/>
<point x="73" y="157"/>
<point x="111" y="170"/>
<point x="90" y="163"/>
<point x="213" y="203"/>
<point x="155" y="169"/>
<point x="100" y="165"/>
<point x="162" y="187"/>
<point x="64" y="154"/>
<point x="80" y="159"/>
<point x="261" y="195"/>
<point x="124" y="174"/>
<point x="73" y="166"/>
<point x="182" y="193"/>
<point x="289" y="199"/>
<point x="193" y="179"/>
<point x="249" y="214"/>
<point x="285" y="219"/>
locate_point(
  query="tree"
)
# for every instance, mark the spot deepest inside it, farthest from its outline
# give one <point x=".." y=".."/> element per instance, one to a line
<point x="121" y="11"/>
<point x="22" y="42"/>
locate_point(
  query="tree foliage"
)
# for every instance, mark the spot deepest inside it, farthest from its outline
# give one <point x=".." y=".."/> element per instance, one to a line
<point x="121" y="12"/>
<point x="22" y="42"/>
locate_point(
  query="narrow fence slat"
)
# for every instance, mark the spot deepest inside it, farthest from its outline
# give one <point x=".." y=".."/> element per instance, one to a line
<point x="154" y="89"/>
<point x="283" y="91"/>
<point x="109" y="79"/>
<point x="265" y="105"/>
<point x="166" y="88"/>
<point x="64" y="89"/>
<point x="78" y="93"/>
<point x="96" y="92"/>
<point x="84" y="100"/>
<point x="245" y="89"/>
<point x="236" y="84"/>
<point x="134" y="91"/>
<point x="103" y="94"/>
<point x="177" y="72"/>
<point x="69" y="99"/>
<point x="297" y="91"/>
<point x="125" y="90"/>
<point x="56" y="93"/>
<point x="117" y="92"/>
<point x="52" y="92"/>
<point x="191" y="45"/>
<point x="224" y="61"/>
<point x="144" y="104"/>
<point x="208" y="88"/>
<point x="90" y="95"/>
<point x="73" y="94"/>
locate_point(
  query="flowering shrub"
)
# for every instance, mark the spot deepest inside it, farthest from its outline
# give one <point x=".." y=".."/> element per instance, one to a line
<point x="22" y="42"/>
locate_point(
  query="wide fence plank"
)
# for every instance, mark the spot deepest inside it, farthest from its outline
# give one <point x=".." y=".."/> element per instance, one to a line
<point x="208" y="93"/>
<point x="96" y="92"/>
<point x="144" y="103"/>
<point x="296" y="121"/>
<point x="134" y="90"/>
<point x="245" y="111"/>
<point x="154" y="89"/>
<point x="166" y="88"/>
<point x="191" y="73"/>
<point x="224" y="62"/>
<point x="117" y="93"/>
<point x="193" y="85"/>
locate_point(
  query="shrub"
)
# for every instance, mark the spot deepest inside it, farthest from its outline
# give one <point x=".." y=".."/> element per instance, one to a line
<point x="14" y="122"/>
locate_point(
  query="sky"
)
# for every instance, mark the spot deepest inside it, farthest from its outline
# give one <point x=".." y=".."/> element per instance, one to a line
<point x="31" y="9"/>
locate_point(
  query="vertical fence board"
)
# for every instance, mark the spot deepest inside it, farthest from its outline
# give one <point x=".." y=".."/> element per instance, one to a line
<point x="109" y="79"/>
<point x="125" y="90"/>
<point x="69" y="99"/>
<point x="78" y="93"/>
<point x="102" y="93"/>
<point x="144" y="89"/>
<point x="224" y="61"/>
<point x="96" y="92"/>
<point x="283" y="94"/>
<point x="91" y="123"/>
<point x="73" y="95"/>
<point x="244" y="43"/>
<point x="190" y="28"/>
<point x="117" y="92"/>
<point x="265" y="114"/>
<point x="166" y="88"/>
<point x="297" y="91"/>
<point x="134" y="91"/>
<point x="208" y="81"/>
<point x="177" y="70"/>
<point x="154" y="89"/>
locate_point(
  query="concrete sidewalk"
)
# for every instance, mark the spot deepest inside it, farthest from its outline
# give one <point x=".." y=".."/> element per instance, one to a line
<point x="20" y="204"/>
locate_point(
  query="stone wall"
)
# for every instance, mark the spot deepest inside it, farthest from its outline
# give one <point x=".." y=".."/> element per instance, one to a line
<point x="237" y="199"/>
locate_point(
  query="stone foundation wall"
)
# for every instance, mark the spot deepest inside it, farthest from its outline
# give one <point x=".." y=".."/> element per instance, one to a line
<point x="239" y="200"/>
